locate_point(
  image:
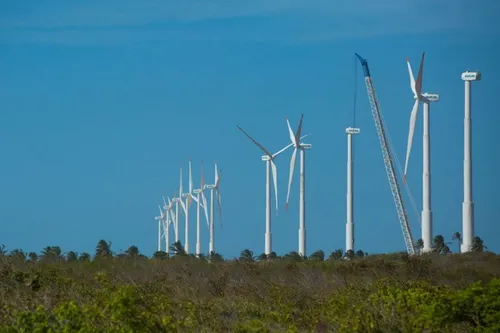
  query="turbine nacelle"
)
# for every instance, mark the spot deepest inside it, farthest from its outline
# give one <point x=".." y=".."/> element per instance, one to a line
<point x="471" y="76"/>
<point x="351" y="130"/>
<point x="306" y="146"/>
<point x="430" y="97"/>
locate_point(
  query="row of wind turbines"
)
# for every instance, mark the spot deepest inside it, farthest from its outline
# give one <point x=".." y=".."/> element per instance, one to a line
<point x="168" y="216"/>
<point x="169" y="212"/>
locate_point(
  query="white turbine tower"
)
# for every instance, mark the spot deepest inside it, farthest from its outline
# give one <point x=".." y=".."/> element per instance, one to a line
<point x="199" y="198"/>
<point x="468" y="204"/>
<point x="214" y="190"/>
<point x="349" y="228"/>
<point x="295" y="138"/>
<point x="176" y="200"/>
<point x="160" y="222"/>
<point x="185" y="207"/>
<point x="416" y="87"/>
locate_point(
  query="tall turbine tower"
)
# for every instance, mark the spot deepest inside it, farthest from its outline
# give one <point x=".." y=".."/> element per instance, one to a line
<point x="170" y="220"/>
<point x="426" y="99"/>
<point x="189" y="196"/>
<point x="214" y="190"/>
<point x="160" y="222"/>
<point x="468" y="204"/>
<point x="349" y="228"/>
<point x="200" y="197"/>
<point x="295" y="138"/>
<point x="269" y="159"/>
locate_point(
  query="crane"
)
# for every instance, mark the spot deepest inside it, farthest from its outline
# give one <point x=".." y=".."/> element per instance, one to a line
<point x="386" y="154"/>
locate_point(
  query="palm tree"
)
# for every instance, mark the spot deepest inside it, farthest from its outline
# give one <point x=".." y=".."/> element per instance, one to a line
<point x="317" y="256"/>
<point x="349" y="254"/>
<point x="438" y="244"/>
<point x="215" y="257"/>
<point x="52" y="253"/>
<point x="160" y="255"/>
<point x="360" y="254"/>
<point x="458" y="237"/>
<point x="84" y="257"/>
<point x="2" y="250"/>
<point x="178" y="249"/>
<point x="294" y="255"/>
<point x="103" y="249"/>
<point x="33" y="257"/>
<point x="71" y="256"/>
<point x="478" y="245"/>
<point x="336" y="255"/>
<point x="419" y="244"/>
<point x="18" y="255"/>
<point x="132" y="251"/>
<point x="262" y="257"/>
<point x="246" y="255"/>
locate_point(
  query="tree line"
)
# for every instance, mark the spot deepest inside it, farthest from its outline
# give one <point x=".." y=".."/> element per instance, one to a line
<point x="103" y="250"/>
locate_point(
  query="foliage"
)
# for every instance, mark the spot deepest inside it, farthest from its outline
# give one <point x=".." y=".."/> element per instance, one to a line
<point x="128" y="292"/>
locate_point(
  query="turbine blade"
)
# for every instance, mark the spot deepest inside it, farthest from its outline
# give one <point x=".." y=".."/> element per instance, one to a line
<point x="219" y="204"/>
<point x="183" y="205"/>
<point x="254" y="141"/>
<point x="190" y="179"/>
<point x="413" y="119"/>
<point x="412" y="79"/>
<point x="290" y="177"/>
<point x="161" y="212"/>
<point x="204" y="199"/>
<point x="275" y="181"/>
<point x="292" y="136"/>
<point x="194" y="198"/>
<point x="217" y="176"/>
<point x="299" y="130"/>
<point x="180" y="185"/>
<point x="420" y="76"/>
<point x="288" y="146"/>
<point x="202" y="186"/>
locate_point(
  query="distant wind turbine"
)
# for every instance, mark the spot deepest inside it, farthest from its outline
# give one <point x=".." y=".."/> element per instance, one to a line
<point x="295" y="138"/>
<point x="214" y="190"/>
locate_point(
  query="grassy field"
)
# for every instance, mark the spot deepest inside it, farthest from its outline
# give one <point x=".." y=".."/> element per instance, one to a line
<point x="133" y="293"/>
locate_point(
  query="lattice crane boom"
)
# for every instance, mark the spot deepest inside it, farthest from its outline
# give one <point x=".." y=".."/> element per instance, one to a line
<point x="386" y="154"/>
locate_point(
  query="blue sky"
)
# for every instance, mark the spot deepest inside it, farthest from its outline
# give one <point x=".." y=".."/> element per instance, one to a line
<point x="103" y="101"/>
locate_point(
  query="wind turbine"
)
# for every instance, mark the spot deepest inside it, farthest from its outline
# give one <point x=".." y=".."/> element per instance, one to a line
<point x="468" y="204"/>
<point x="416" y="87"/>
<point x="200" y="197"/>
<point x="349" y="228"/>
<point x="185" y="206"/>
<point x="270" y="165"/>
<point x="214" y="190"/>
<point x="295" y="138"/>
<point x="160" y="220"/>
<point x="176" y="200"/>
<point x="170" y="218"/>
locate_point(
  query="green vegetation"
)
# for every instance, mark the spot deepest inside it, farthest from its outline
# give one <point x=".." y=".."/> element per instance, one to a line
<point x="176" y="292"/>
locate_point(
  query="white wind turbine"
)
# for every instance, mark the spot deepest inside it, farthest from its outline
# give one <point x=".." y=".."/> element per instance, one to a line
<point x="416" y="87"/>
<point x="295" y="138"/>
<point x="176" y="200"/>
<point x="170" y="218"/>
<point x="214" y="190"/>
<point x="270" y="165"/>
<point x="160" y="219"/>
<point x="199" y="198"/>
<point x="185" y="207"/>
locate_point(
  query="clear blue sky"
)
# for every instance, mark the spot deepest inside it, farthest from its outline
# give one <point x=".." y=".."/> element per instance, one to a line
<point x="102" y="101"/>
